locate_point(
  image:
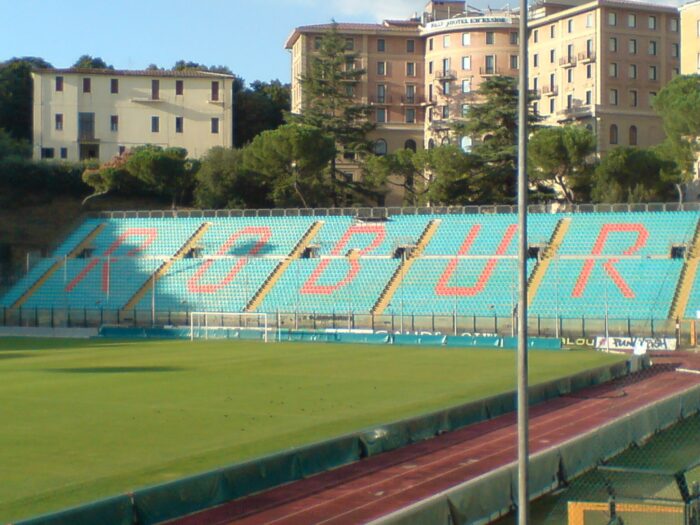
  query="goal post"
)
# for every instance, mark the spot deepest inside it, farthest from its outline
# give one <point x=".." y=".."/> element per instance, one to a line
<point x="204" y="325"/>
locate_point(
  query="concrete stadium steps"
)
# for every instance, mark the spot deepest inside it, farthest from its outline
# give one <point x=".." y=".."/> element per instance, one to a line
<point x="298" y="250"/>
<point x="163" y="268"/>
<point x="404" y="267"/>
<point x="687" y="279"/>
<point x="542" y="265"/>
<point x="72" y="254"/>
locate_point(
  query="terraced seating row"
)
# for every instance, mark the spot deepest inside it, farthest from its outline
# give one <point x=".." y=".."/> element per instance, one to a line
<point x="622" y="260"/>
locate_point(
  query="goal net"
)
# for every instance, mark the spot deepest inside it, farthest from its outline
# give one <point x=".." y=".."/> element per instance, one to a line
<point x="221" y="325"/>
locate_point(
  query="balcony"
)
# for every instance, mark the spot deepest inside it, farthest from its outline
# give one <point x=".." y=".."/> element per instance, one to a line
<point x="587" y="57"/>
<point x="569" y="61"/>
<point x="446" y="74"/>
<point x="415" y="100"/>
<point x="87" y="137"/>
<point x="577" y="111"/>
<point x="376" y="100"/>
<point x="147" y="100"/>
<point x="550" y="91"/>
<point x="490" y="71"/>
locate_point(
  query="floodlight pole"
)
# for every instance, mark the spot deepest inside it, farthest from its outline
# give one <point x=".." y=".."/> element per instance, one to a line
<point x="523" y="431"/>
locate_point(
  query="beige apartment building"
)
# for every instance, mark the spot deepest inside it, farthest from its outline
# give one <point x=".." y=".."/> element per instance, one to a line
<point x="84" y="114"/>
<point x="601" y="63"/>
<point x="690" y="38"/>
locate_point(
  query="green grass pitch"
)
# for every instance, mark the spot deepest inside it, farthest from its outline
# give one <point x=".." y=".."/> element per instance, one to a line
<point x="82" y="420"/>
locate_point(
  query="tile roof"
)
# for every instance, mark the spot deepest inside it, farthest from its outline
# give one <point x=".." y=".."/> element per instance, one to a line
<point x="185" y="73"/>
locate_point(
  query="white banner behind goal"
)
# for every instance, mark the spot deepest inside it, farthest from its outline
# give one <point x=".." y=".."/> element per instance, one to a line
<point x="204" y="325"/>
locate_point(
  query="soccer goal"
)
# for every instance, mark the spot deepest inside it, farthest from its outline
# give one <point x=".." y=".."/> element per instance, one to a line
<point x="217" y="325"/>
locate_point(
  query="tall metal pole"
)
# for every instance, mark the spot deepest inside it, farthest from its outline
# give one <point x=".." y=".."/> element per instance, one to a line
<point x="523" y="433"/>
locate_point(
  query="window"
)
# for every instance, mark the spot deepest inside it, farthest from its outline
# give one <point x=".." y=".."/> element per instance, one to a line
<point x="214" y="125"/>
<point x="535" y="60"/>
<point x="155" y="89"/>
<point x="612" y="70"/>
<point x="514" y="61"/>
<point x="652" y="47"/>
<point x="410" y="46"/>
<point x="380" y="147"/>
<point x="410" y="116"/>
<point x="114" y="85"/>
<point x="465" y="110"/>
<point x="446" y="88"/>
<point x="445" y="141"/>
<point x="114" y="123"/>
<point x="64" y="153"/>
<point x="632" y="71"/>
<point x="381" y="93"/>
<point x="446" y="41"/>
<point x="490" y="64"/>
<point x="466" y="63"/>
<point x="551" y="56"/>
<point x="317" y="42"/>
<point x="551" y="31"/>
<point x="489" y="37"/>
<point x="536" y="34"/>
<point x="215" y="90"/>
<point x="466" y="86"/>
<point x="47" y="153"/>
<point x="410" y="144"/>
<point x="514" y="38"/>
<point x="86" y="85"/>
<point x="632" y="46"/>
<point x="59" y="122"/>
<point x="535" y="83"/>
<point x="633" y="135"/>
<point x="179" y="124"/>
<point x="570" y="75"/>
<point x="445" y="65"/>
<point x="430" y="67"/>
<point x="652" y="23"/>
<point x="633" y="98"/>
<point x="381" y="45"/>
<point x="652" y="95"/>
<point x="552" y="105"/>
<point x="569" y="101"/>
<point x="570" y="53"/>
<point x="466" y="144"/>
<point x="155" y="124"/>
<point x="652" y="72"/>
<point x="410" y="69"/>
<point x="589" y="20"/>
<point x="381" y="115"/>
<point x="631" y="20"/>
<point x="673" y="25"/>
<point x="430" y="44"/>
<point x="552" y="81"/>
<point x="612" y="44"/>
<point x="589" y="48"/>
<point x="675" y="50"/>
<point x="570" y="25"/>
<point x="59" y="83"/>
<point x="675" y="72"/>
<point x="612" y="19"/>
<point x="349" y="44"/>
<point x="430" y="92"/>
<point x="122" y="150"/>
<point x="445" y="111"/>
<point x="466" y="39"/>
<point x="589" y="97"/>
<point x="179" y="87"/>
<point x="536" y="108"/>
<point x="698" y="60"/>
<point x="381" y="68"/>
<point x="612" y="96"/>
<point x="613" y="134"/>
<point x="589" y="71"/>
<point x="411" y="94"/>
<point x="431" y="144"/>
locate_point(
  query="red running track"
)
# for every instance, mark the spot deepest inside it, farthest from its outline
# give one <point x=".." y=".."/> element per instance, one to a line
<point x="374" y="487"/>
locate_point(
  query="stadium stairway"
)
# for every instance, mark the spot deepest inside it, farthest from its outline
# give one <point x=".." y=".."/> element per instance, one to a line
<point x="163" y="268"/>
<point x="687" y="278"/>
<point x="298" y="250"/>
<point x="82" y="245"/>
<point x="402" y="270"/>
<point x="543" y="263"/>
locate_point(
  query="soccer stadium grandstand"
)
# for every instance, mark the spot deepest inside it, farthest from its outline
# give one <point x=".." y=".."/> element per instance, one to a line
<point x="615" y="263"/>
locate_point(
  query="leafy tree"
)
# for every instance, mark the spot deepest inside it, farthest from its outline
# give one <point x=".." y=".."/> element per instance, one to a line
<point x="678" y="103"/>
<point x="634" y="175"/>
<point x="292" y="159"/>
<point x="89" y="62"/>
<point x="16" y="94"/>
<point x="223" y="182"/>
<point x="112" y="176"/>
<point x="562" y="157"/>
<point x="11" y="147"/>
<point x="258" y="108"/>
<point x="330" y="103"/>
<point x="493" y="124"/>
<point x="456" y="177"/>
<point x="184" y="65"/>
<point x="164" y="171"/>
